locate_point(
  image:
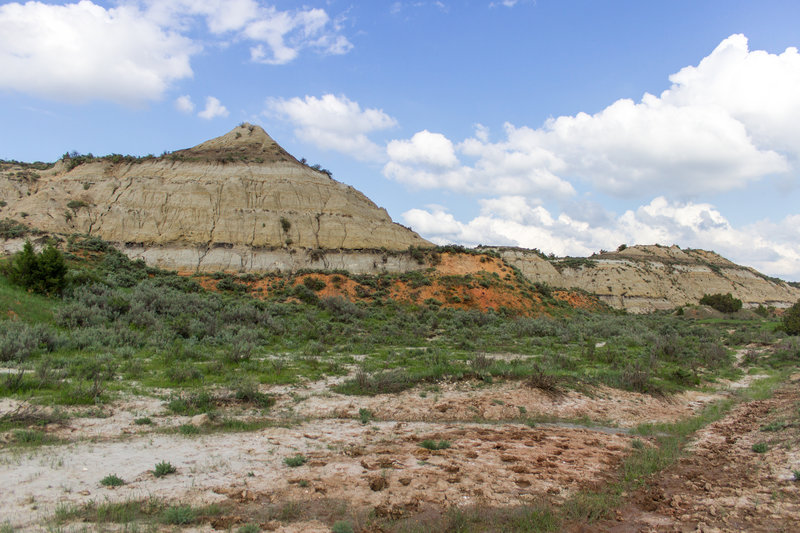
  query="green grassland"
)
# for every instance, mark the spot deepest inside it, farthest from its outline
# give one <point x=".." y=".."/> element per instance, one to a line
<point x="123" y="326"/>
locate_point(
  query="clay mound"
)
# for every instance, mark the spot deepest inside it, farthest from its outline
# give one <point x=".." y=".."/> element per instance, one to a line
<point x="236" y="202"/>
<point x="244" y="143"/>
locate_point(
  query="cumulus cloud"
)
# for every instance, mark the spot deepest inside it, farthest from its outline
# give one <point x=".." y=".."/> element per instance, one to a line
<point x="213" y="109"/>
<point x="513" y="221"/>
<point x="430" y="160"/>
<point x="184" y="104"/>
<point x="82" y="51"/>
<point x="334" y="123"/>
<point x="729" y="121"/>
<point x="278" y="36"/>
<point x="134" y="52"/>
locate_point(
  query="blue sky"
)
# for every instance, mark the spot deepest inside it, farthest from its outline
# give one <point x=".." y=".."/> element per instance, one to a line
<point x="568" y="126"/>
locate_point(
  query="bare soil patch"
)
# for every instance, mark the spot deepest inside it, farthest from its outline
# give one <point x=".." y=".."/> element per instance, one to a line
<point x="738" y="476"/>
<point x="353" y="469"/>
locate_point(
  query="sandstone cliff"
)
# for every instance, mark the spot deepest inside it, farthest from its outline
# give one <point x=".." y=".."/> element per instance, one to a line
<point x="236" y="194"/>
<point x="643" y="279"/>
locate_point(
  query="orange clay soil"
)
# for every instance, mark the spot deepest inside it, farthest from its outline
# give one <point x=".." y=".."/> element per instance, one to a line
<point x="461" y="281"/>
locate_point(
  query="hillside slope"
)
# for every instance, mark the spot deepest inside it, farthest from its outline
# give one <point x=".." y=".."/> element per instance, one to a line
<point x="239" y="192"/>
<point x="643" y="279"/>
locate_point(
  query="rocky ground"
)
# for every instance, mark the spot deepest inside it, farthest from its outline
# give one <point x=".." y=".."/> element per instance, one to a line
<point x="738" y="476"/>
<point x="365" y="459"/>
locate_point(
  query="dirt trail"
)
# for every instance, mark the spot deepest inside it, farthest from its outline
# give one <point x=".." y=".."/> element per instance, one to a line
<point x="724" y="484"/>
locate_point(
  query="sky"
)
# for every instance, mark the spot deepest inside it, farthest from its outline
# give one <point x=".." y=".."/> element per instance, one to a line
<point x="571" y="126"/>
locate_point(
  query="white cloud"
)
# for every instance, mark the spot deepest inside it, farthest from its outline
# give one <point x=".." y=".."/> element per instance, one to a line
<point x="424" y="149"/>
<point x="134" y="52"/>
<point x="82" y="51"/>
<point x="430" y="160"/>
<point x="334" y="123"/>
<point x="769" y="247"/>
<point x="724" y="124"/>
<point x="279" y="36"/>
<point x="184" y="104"/>
<point x="214" y="109"/>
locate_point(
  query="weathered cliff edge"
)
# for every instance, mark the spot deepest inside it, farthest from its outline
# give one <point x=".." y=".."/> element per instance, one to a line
<point x="235" y="202"/>
<point x="643" y="279"/>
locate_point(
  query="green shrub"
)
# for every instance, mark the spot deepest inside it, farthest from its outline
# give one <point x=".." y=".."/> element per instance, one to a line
<point x="43" y="273"/>
<point x="178" y="515"/>
<point x="365" y="415"/>
<point x="724" y="303"/>
<point x="188" y="429"/>
<point x="433" y="445"/>
<point x="112" y="480"/>
<point x="791" y="319"/>
<point x="760" y="447"/>
<point x="342" y="526"/>
<point x="76" y="204"/>
<point x="295" y="461"/>
<point x="11" y="229"/>
<point x="314" y="284"/>
<point x="163" y="468"/>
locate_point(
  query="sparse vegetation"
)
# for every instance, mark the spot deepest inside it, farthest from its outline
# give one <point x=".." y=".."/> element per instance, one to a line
<point x="760" y="447"/>
<point x="112" y="480"/>
<point x="163" y="469"/>
<point x="295" y="461"/>
<point x="434" y="445"/>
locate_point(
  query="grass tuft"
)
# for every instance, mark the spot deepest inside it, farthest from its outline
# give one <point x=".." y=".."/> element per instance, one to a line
<point x="164" y="468"/>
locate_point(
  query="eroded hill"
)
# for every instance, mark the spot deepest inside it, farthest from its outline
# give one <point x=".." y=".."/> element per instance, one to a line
<point x="643" y="279"/>
<point x="239" y="201"/>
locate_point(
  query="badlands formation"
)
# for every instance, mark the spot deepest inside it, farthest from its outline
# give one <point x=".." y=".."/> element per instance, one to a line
<point x="238" y="202"/>
<point x="241" y="203"/>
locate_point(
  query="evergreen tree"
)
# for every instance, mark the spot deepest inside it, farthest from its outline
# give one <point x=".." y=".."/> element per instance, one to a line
<point x="791" y="319"/>
<point x="44" y="273"/>
<point x="24" y="269"/>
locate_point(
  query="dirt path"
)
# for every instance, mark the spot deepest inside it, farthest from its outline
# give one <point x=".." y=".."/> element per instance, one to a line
<point x="726" y="483"/>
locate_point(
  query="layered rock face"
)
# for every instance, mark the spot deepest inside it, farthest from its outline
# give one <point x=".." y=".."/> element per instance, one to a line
<point x="228" y="197"/>
<point x="241" y="203"/>
<point x="642" y="279"/>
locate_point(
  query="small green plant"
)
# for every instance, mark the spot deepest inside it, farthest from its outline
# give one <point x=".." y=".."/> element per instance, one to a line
<point x="144" y="421"/>
<point x="365" y="415"/>
<point x="112" y="480"/>
<point x="435" y="445"/>
<point x="637" y="444"/>
<point x="188" y="429"/>
<point x="342" y="526"/>
<point x="249" y="528"/>
<point x="163" y="468"/>
<point x="774" y="426"/>
<point x="178" y="515"/>
<point x="796" y="474"/>
<point x="295" y="461"/>
<point x="759" y="447"/>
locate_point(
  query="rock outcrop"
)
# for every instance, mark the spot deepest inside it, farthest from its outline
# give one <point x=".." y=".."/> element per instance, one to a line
<point x="240" y="202"/>
<point x="643" y="279"/>
<point x="239" y="194"/>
